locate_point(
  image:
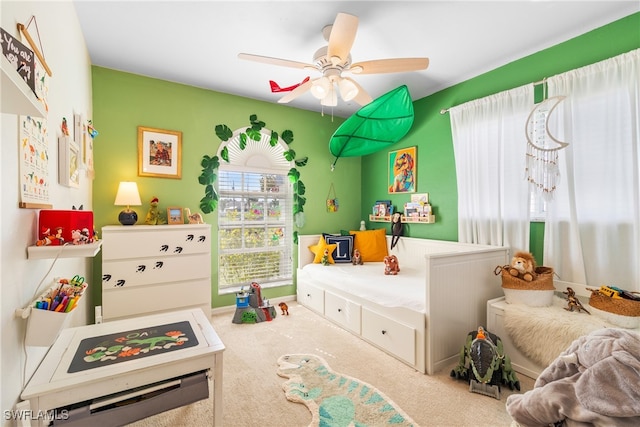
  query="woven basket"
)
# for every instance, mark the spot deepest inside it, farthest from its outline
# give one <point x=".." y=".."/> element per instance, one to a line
<point x="542" y="282"/>
<point x="621" y="306"/>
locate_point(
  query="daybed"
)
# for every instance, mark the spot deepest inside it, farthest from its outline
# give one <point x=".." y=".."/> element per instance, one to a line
<point x="420" y="316"/>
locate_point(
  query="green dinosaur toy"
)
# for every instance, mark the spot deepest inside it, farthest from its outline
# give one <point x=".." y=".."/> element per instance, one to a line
<point x="153" y="216"/>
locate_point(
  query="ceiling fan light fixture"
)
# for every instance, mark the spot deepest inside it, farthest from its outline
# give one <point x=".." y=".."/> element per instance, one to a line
<point x="321" y="87"/>
<point x="331" y="100"/>
<point x="348" y="89"/>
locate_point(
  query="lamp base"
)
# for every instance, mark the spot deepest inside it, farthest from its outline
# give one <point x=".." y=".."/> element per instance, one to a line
<point x="128" y="217"/>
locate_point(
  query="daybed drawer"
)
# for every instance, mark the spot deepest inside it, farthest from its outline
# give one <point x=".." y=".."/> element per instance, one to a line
<point x="342" y="311"/>
<point x="394" y="337"/>
<point x="311" y="297"/>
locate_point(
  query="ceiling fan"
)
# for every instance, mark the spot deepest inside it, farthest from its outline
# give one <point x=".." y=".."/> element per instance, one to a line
<point x="334" y="59"/>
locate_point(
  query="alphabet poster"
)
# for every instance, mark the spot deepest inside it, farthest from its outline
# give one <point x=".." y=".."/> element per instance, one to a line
<point x="35" y="183"/>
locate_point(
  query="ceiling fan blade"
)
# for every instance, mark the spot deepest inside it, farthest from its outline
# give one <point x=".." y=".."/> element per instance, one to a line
<point x="362" y="98"/>
<point x="303" y="88"/>
<point x="396" y="65"/>
<point x="274" y="61"/>
<point x="343" y="34"/>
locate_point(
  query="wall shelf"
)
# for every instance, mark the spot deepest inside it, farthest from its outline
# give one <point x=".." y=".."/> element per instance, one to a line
<point x="67" y="251"/>
<point x="406" y="220"/>
<point x="17" y="96"/>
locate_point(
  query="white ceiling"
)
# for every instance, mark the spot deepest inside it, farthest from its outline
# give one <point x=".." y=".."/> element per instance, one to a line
<point x="197" y="42"/>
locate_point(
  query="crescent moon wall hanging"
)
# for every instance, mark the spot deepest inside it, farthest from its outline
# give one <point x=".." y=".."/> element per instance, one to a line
<point x="542" y="148"/>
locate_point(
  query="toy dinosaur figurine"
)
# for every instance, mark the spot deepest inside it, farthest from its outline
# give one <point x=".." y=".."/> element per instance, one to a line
<point x="484" y="364"/>
<point x="573" y="301"/>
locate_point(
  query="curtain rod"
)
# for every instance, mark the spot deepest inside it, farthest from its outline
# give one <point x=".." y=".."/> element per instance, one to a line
<point x="544" y="80"/>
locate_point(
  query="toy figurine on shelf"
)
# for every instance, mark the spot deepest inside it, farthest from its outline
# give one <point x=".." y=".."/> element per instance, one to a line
<point x="65" y="127"/>
<point x="153" y="216"/>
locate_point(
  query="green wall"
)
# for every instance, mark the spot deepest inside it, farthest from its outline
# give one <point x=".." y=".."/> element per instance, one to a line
<point x="124" y="101"/>
<point x="431" y="132"/>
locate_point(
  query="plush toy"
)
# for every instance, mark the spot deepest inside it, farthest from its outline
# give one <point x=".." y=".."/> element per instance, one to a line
<point x="285" y="309"/>
<point x="325" y="257"/>
<point x="356" y="259"/>
<point x="391" y="265"/>
<point x="523" y="266"/>
<point x="153" y="216"/>
<point x="397" y="229"/>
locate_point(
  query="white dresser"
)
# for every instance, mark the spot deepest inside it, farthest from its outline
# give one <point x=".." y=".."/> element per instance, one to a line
<point x="148" y="269"/>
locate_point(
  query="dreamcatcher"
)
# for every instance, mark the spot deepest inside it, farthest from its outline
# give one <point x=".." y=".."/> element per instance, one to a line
<point x="542" y="169"/>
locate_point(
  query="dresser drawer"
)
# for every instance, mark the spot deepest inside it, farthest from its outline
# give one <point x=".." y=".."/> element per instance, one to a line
<point x="143" y="271"/>
<point x="342" y="311"/>
<point x="311" y="297"/>
<point x="126" y="301"/>
<point x="390" y="335"/>
<point x="141" y="241"/>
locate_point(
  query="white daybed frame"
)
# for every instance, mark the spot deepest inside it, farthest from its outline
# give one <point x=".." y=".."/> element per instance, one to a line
<point x="459" y="281"/>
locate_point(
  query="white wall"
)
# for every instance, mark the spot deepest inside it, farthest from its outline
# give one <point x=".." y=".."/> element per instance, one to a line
<point x="69" y="92"/>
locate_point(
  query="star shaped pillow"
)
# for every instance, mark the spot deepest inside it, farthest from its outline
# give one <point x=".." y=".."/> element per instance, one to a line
<point x="319" y="248"/>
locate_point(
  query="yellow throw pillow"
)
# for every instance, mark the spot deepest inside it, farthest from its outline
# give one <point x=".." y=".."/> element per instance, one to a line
<point x="318" y="250"/>
<point x="372" y="244"/>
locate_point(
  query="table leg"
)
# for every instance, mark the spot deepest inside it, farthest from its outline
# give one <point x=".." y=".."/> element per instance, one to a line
<point x="217" y="391"/>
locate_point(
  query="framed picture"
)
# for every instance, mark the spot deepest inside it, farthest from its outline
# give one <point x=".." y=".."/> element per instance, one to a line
<point x="402" y="170"/>
<point x="69" y="158"/>
<point x="174" y="215"/>
<point x="159" y="153"/>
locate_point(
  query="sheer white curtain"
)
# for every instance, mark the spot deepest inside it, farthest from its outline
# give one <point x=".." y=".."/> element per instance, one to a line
<point x="592" y="232"/>
<point x="489" y="145"/>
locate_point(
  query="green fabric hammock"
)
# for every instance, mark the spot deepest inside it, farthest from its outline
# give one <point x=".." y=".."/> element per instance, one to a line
<point x="382" y="122"/>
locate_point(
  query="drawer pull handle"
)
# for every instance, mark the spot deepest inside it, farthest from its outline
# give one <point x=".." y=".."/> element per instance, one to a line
<point x="339" y="310"/>
<point x="309" y="295"/>
<point x="384" y="332"/>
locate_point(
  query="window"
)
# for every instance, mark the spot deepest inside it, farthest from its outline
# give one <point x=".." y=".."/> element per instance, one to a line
<point x="255" y="220"/>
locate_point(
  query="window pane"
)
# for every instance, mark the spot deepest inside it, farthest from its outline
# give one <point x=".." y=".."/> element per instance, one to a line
<point x="255" y="227"/>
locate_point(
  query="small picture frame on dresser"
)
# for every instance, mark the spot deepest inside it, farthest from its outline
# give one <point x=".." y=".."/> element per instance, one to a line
<point x="174" y="215"/>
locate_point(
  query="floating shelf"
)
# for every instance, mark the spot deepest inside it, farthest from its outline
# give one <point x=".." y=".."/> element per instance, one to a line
<point x="407" y="220"/>
<point x="17" y="96"/>
<point x="67" y="251"/>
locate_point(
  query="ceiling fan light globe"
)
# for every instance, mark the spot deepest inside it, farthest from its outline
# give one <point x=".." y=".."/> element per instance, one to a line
<point x="348" y="90"/>
<point x="320" y="88"/>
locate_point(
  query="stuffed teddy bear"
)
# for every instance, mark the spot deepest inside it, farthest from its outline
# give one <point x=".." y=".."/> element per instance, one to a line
<point x="523" y="266"/>
<point x="356" y="259"/>
<point x="391" y="265"/>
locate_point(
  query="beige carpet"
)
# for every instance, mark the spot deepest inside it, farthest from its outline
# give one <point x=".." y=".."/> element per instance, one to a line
<point x="254" y="395"/>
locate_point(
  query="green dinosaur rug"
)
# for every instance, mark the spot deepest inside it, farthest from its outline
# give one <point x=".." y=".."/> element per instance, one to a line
<point x="335" y="399"/>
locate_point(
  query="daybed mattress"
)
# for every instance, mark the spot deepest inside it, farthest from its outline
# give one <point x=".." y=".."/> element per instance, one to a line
<point x="368" y="281"/>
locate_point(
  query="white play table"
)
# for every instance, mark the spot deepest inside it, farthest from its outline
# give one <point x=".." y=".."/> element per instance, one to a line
<point x="76" y="378"/>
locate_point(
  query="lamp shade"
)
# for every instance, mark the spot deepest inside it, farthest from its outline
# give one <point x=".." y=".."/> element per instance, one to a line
<point x="128" y="194"/>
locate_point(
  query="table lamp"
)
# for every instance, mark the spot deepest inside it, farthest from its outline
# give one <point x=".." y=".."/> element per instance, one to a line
<point x="128" y="196"/>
